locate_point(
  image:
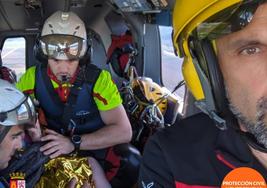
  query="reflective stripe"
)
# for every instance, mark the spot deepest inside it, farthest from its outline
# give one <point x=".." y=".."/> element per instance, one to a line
<point x="106" y="90"/>
<point x="183" y="185"/>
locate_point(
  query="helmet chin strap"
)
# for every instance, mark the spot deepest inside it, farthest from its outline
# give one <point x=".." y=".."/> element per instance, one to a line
<point x="252" y="141"/>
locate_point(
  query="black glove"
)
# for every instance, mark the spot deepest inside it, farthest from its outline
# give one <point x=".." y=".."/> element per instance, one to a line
<point x="31" y="162"/>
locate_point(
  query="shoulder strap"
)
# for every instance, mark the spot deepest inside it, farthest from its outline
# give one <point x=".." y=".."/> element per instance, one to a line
<point x="89" y="75"/>
<point x="45" y="92"/>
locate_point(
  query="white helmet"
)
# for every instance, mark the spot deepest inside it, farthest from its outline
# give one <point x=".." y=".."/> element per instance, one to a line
<point x="64" y="36"/>
<point x="15" y="108"/>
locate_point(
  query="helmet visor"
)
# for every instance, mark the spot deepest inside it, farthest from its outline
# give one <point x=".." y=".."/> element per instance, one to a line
<point x="24" y="114"/>
<point x="229" y="20"/>
<point x="63" y="47"/>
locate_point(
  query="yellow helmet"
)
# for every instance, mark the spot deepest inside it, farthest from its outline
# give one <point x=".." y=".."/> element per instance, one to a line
<point x="148" y="92"/>
<point x="196" y="26"/>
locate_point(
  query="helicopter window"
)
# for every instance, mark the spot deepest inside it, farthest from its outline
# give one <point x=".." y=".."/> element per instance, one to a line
<point x="171" y="65"/>
<point x="13" y="55"/>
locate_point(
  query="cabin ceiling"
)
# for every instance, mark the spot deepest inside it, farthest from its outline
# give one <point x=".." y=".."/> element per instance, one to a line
<point x="30" y="14"/>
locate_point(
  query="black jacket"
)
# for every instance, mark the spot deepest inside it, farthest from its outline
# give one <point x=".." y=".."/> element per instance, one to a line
<point x="194" y="152"/>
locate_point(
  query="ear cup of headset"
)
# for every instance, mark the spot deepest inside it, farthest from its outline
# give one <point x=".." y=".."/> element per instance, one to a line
<point x="37" y="51"/>
<point x="217" y="84"/>
<point x="215" y="76"/>
<point x="87" y="56"/>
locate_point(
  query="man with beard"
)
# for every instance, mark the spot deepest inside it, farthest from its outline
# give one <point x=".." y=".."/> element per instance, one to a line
<point x="224" y="45"/>
<point x="16" y="113"/>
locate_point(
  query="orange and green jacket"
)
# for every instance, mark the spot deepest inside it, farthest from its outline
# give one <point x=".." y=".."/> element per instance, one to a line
<point x="104" y="96"/>
<point x="105" y="92"/>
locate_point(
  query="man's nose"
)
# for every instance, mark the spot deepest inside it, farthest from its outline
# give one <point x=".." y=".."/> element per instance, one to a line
<point x="19" y="143"/>
<point x="63" y="64"/>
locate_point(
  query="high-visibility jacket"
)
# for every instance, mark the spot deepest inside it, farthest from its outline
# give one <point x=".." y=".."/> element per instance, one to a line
<point x="92" y="97"/>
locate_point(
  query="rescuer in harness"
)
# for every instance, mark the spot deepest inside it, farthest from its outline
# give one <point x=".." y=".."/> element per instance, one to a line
<point x="223" y="43"/>
<point x="80" y="104"/>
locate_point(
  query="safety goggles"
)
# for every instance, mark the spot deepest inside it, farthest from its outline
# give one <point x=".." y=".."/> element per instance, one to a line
<point x="23" y="114"/>
<point x="229" y="20"/>
<point x="63" y="47"/>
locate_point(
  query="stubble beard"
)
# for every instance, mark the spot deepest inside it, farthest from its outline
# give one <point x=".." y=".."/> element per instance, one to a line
<point x="258" y="127"/>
